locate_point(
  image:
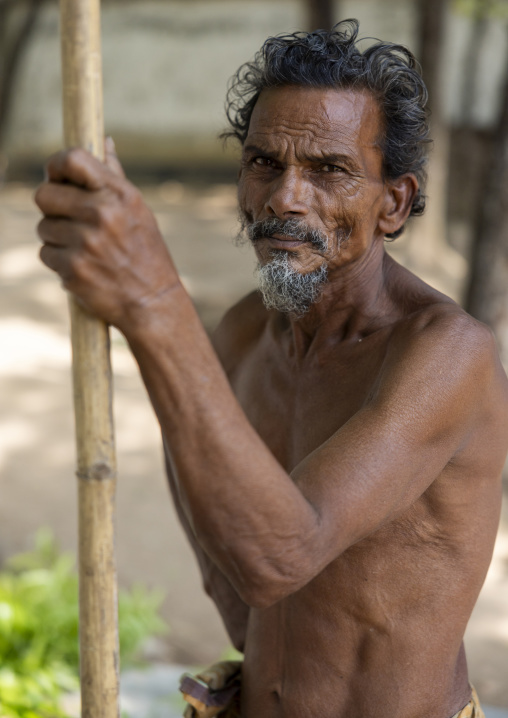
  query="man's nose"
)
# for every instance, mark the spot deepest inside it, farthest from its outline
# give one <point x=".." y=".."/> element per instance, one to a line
<point x="288" y="195"/>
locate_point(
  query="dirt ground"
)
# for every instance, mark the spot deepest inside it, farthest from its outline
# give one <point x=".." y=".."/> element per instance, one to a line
<point x="37" y="487"/>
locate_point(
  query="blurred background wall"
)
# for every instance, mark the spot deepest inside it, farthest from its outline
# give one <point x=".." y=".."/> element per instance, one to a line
<point x="167" y="63"/>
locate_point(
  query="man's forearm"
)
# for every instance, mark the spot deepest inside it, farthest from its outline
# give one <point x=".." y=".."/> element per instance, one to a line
<point x="241" y="504"/>
<point x="102" y="240"/>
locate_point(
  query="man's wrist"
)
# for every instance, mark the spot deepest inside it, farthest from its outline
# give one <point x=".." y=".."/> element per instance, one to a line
<point x="154" y="313"/>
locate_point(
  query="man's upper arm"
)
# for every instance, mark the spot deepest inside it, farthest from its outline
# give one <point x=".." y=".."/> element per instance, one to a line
<point x="439" y="382"/>
<point x="435" y="387"/>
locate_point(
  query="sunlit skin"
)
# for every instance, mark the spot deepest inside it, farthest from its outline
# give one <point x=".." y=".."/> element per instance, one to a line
<point x="325" y="169"/>
<point x="315" y="170"/>
<point x="338" y="475"/>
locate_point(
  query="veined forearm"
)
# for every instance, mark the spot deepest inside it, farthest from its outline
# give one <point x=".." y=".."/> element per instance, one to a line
<point x="243" y="507"/>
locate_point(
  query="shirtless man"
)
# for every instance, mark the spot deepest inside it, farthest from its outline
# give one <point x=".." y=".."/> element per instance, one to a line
<point x="335" y="458"/>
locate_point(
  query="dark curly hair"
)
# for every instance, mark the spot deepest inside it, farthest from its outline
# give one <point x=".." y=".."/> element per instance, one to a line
<point x="332" y="59"/>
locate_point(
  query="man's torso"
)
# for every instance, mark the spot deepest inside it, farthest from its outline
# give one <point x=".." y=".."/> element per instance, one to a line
<point x="379" y="631"/>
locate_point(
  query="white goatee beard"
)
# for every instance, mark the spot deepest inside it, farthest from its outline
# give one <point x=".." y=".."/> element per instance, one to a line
<point x="283" y="288"/>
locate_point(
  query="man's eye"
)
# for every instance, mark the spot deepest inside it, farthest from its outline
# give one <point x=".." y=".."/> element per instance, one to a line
<point x="263" y="161"/>
<point x="331" y="168"/>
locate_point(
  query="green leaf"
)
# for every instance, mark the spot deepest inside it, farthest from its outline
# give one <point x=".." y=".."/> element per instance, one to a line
<point x="39" y="629"/>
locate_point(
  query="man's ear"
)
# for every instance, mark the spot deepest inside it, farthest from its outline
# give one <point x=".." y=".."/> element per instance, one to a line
<point x="399" y="196"/>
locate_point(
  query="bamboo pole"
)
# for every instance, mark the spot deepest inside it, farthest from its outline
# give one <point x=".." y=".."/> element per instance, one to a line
<point x="96" y="465"/>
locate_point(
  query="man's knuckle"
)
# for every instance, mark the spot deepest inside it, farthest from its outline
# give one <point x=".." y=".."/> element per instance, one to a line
<point x="42" y="228"/>
<point x="90" y="241"/>
<point x="90" y="214"/>
<point x="42" y="196"/>
<point x="44" y="255"/>
<point x="130" y="194"/>
<point x="74" y="157"/>
<point x="53" y="162"/>
<point x="39" y="195"/>
<point x="75" y="265"/>
<point x="108" y="215"/>
<point x="73" y="164"/>
<point x="51" y="258"/>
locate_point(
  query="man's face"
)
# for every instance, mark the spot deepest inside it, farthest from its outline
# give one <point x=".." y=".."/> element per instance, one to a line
<point x="311" y="186"/>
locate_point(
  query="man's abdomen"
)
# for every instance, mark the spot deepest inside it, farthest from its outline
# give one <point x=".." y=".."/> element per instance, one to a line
<point x="365" y="639"/>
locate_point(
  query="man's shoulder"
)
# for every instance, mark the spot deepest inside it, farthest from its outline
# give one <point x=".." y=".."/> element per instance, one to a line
<point x="428" y="314"/>
<point x="442" y="345"/>
<point x="240" y="329"/>
<point x="441" y="324"/>
<point x="445" y="319"/>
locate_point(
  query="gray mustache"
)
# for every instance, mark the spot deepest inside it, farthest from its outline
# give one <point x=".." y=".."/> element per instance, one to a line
<point x="294" y="228"/>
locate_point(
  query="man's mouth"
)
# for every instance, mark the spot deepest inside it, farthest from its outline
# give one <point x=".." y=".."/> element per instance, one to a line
<point x="281" y="241"/>
<point x="289" y="234"/>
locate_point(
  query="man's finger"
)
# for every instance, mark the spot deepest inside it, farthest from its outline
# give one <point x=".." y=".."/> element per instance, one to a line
<point x="111" y="158"/>
<point x="58" y="232"/>
<point x="78" y="167"/>
<point x="57" y="259"/>
<point x="65" y="201"/>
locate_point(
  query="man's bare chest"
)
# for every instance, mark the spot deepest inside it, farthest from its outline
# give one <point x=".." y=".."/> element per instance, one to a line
<point x="295" y="406"/>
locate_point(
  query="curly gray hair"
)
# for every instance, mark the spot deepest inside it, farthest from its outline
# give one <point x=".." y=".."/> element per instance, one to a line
<point x="333" y="60"/>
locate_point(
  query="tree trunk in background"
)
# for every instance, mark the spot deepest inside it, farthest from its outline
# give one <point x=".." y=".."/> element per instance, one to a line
<point x="14" y="38"/>
<point x="487" y="295"/>
<point x="429" y="233"/>
<point x="477" y="34"/>
<point x="321" y="14"/>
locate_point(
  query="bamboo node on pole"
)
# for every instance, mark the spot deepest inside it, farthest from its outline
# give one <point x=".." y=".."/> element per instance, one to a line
<point x="97" y="472"/>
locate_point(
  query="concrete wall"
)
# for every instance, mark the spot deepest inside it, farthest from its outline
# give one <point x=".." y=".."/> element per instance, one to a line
<point x="166" y="67"/>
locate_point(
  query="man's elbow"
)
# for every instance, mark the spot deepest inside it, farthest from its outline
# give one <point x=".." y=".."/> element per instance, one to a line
<point x="263" y="586"/>
<point x="261" y="597"/>
<point x="255" y="587"/>
<point x="264" y="575"/>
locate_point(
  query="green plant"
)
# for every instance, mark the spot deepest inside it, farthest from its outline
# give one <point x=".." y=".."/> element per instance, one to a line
<point x="231" y="654"/>
<point x="39" y="626"/>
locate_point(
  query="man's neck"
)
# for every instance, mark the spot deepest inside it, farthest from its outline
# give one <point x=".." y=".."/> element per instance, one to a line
<point x="355" y="302"/>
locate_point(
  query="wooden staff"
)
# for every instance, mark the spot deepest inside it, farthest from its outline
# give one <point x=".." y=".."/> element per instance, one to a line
<point x="96" y="466"/>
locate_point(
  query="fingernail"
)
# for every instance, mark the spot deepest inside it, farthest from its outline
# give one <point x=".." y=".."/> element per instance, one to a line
<point x="110" y="144"/>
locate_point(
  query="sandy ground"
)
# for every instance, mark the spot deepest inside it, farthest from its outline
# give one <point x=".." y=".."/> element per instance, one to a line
<point x="36" y="426"/>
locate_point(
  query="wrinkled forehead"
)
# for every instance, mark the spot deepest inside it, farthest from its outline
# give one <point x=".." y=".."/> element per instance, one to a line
<point x="324" y="118"/>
